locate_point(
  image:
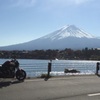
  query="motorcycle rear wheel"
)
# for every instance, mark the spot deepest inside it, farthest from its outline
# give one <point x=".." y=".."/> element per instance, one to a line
<point x="20" y="75"/>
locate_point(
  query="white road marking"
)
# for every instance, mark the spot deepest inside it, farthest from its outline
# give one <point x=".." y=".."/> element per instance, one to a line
<point x="94" y="94"/>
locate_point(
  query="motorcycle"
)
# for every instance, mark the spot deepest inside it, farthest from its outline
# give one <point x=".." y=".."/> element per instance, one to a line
<point x="10" y="69"/>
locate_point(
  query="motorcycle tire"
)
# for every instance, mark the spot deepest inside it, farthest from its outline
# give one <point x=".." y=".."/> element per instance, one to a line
<point x="20" y="75"/>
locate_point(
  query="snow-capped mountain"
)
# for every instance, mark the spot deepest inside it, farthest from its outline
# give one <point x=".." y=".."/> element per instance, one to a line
<point x="65" y="37"/>
<point x="68" y="31"/>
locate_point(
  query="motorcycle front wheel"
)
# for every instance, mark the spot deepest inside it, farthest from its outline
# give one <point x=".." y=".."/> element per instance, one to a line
<point x="20" y="75"/>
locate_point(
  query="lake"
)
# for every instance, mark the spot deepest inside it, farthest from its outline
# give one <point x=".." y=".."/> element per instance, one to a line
<point x="34" y="68"/>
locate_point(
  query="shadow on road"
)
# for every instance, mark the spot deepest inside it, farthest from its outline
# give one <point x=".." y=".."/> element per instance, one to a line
<point x="98" y="75"/>
<point x="8" y="83"/>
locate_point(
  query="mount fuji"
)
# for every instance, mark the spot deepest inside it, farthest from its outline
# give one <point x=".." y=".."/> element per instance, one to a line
<point x="68" y="36"/>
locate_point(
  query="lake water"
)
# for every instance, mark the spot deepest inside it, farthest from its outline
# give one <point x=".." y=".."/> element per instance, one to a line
<point x="35" y="68"/>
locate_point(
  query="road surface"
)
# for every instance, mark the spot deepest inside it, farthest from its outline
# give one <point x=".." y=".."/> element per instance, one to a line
<point x="59" y="88"/>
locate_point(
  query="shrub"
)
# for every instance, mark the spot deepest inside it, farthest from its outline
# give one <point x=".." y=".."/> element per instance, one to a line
<point x="45" y="76"/>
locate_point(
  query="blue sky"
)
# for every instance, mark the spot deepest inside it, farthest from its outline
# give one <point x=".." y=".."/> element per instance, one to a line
<point x="25" y="20"/>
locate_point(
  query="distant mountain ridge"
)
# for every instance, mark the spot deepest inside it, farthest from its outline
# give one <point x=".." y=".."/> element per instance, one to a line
<point x="68" y="36"/>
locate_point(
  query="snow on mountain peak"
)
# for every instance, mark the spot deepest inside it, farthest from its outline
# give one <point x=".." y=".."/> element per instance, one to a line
<point x="68" y="31"/>
<point x="73" y="31"/>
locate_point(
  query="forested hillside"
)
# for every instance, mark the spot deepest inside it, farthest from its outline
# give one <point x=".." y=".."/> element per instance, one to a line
<point x="84" y="54"/>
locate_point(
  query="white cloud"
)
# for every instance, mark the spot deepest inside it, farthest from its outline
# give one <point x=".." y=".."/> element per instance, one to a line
<point x="24" y="3"/>
<point x="69" y="2"/>
<point x="63" y="3"/>
<point x="48" y="5"/>
<point x="78" y="2"/>
<point x="18" y="3"/>
<point x="42" y="3"/>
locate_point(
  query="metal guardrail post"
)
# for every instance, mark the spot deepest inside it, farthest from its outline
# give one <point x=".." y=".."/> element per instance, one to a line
<point x="49" y="68"/>
<point x="97" y="68"/>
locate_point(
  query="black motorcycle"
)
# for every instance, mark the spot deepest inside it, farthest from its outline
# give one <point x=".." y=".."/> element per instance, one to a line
<point x="10" y="69"/>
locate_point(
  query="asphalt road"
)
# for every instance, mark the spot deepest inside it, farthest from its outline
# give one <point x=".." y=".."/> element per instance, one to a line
<point x="61" y="88"/>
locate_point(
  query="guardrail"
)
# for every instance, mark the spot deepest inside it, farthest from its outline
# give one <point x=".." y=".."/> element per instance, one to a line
<point x="57" y="68"/>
